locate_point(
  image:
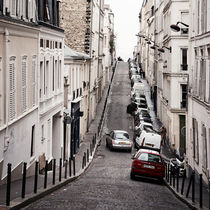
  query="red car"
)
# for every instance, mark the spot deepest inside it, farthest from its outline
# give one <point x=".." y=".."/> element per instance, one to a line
<point x="148" y="163"/>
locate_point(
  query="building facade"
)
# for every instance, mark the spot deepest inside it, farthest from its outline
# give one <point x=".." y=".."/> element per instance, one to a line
<point x="31" y="60"/>
<point x="198" y="132"/>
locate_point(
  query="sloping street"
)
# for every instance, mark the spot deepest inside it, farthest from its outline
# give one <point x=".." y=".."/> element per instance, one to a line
<point x="107" y="184"/>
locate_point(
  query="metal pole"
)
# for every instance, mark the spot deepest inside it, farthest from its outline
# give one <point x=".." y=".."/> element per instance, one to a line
<point x="173" y="177"/>
<point x="9" y="166"/>
<point x="60" y="169"/>
<point x="70" y="167"/>
<point x="87" y="155"/>
<point x="177" y="180"/>
<point x="201" y="191"/>
<point x="74" y="170"/>
<point x="188" y="189"/>
<point x="36" y="176"/>
<point x="66" y="163"/>
<point x="168" y="172"/>
<point x="85" y="158"/>
<point x="45" y="174"/>
<point x="193" y="186"/>
<point x="54" y="169"/>
<point x="24" y="180"/>
<point x="183" y="181"/>
<point x="170" y="175"/>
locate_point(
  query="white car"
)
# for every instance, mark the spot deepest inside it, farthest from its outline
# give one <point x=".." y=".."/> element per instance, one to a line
<point x="148" y="139"/>
<point x="137" y="87"/>
<point x="143" y="126"/>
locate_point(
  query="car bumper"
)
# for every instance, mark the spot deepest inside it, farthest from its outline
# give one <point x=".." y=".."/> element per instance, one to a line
<point x="146" y="173"/>
<point x="123" y="147"/>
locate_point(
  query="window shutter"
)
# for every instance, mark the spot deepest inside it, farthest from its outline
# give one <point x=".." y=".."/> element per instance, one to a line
<point x="13" y="7"/>
<point x="24" y="84"/>
<point x="34" y="81"/>
<point x="12" y="102"/>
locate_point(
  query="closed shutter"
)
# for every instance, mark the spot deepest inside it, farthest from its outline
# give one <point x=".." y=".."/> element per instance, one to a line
<point x="13" y="7"/>
<point x="204" y="80"/>
<point x="12" y="102"/>
<point x="34" y="81"/>
<point x="24" y="84"/>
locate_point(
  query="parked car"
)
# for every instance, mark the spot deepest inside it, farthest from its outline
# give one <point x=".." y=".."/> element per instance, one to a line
<point x="119" y="139"/>
<point x="138" y="95"/>
<point x="148" y="163"/>
<point x="137" y="87"/>
<point x="132" y="72"/>
<point x="139" y="101"/>
<point x="143" y="126"/>
<point x="148" y="139"/>
<point x="141" y="120"/>
<point x="140" y="128"/>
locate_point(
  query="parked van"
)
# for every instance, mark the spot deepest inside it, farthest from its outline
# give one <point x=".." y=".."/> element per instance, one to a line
<point x="148" y="139"/>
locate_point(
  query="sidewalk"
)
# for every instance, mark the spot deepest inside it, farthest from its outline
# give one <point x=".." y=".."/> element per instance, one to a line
<point x="87" y="146"/>
<point x="167" y="155"/>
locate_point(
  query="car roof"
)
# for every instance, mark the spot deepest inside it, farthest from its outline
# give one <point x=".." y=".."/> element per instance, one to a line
<point x="149" y="151"/>
<point x="120" y="131"/>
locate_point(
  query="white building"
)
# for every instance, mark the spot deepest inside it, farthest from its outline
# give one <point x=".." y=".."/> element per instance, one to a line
<point x="198" y="135"/>
<point x="31" y="90"/>
<point x="109" y="45"/>
<point x="76" y="77"/>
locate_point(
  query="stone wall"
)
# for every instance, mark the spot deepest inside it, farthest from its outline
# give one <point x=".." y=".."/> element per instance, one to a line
<point x="73" y="19"/>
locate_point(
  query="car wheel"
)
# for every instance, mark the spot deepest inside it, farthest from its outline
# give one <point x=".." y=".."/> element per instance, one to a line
<point x="132" y="175"/>
<point x="135" y="145"/>
<point x="160" y="180"/>
<point x="130" y="150"/>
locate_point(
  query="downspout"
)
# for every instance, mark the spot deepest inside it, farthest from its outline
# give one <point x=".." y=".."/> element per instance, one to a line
<point x="90" y="61"/>
<point x="6" y="137"/>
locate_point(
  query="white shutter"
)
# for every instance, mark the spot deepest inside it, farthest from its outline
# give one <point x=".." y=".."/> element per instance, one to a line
<point x="12" y="102"/>
<point x="24" y="83"/>
<point x="34" y="81"/>
<point x="13" y="7"/>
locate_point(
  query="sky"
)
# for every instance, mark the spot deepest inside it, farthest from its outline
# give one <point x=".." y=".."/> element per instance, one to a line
<point x="126" y="25"/>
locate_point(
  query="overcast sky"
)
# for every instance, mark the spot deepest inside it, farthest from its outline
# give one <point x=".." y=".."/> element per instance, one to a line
<point x="126" y="25"/>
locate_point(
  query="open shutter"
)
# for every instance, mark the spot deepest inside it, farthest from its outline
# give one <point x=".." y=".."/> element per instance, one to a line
<point x="24" y="83"/>
<point x="12" y="102"/>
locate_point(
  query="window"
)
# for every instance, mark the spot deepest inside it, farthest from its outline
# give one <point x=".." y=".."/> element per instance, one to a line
<point x="13" y="7"/>
<point x="208" y="50"/>
<point x="202" y="81"/>
<point x="195" y="140"/>
<point x="41" y="43"/>
<point x="24" y="83"/>
<point x="203" y="16"/>
<point x="34" y="80"/>
<point x="184" y="96"/>
<point x="42" y="130"/>
<point x="41" y="91"/>
<point x="204" y="147"/>
<point x="1" y="6"/>
<point x="184" y="19"/>
<point x="12" y="88"/>
<point x="32" y="140"/>
<point x="59" y="75"/>
<point x="47" y="43"/>
<point x="47" y="78"/>
<point x="27" y="12"/>
<point x="184" y="65"/>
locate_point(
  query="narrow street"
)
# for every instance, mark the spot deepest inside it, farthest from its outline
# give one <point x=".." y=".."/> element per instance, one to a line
<point x="107" y="184"/>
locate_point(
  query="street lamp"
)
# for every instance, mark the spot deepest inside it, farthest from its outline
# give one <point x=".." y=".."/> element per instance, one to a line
<point x="176" y="28"/>
<point x="162" y="49"/>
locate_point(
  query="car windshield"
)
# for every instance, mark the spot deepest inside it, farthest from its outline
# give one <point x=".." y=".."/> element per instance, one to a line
<point x="150" y="158"/>
<point x="121" y="136"/>
<point x="147" y="127"/>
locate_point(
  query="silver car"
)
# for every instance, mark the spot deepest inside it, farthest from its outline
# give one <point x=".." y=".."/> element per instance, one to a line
<point x="119" y="139"/>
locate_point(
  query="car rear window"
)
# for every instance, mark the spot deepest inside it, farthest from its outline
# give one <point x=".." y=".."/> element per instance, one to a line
<point x="150" y="158"/>
<point x="121" y="136"/>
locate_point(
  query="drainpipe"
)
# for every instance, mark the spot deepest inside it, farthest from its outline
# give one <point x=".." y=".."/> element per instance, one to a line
<point x="6" y="114"/>
<point x="90" y="61"/>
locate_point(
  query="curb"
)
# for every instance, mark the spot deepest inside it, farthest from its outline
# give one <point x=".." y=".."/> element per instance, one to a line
<point x="187" y="201"/>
